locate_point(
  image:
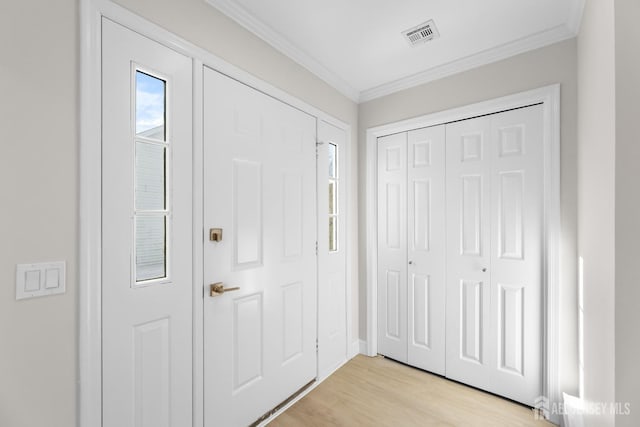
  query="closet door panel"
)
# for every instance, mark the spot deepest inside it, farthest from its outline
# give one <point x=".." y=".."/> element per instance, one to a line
<point x="469" y="354"/>
<point x="392" y="246"/>
<point x="516" y="255"/>
<point x="494" y="253"/>
<point x="426" y="248"/>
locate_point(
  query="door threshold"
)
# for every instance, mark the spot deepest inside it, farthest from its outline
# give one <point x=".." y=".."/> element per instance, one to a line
<point x="284" y="403"/>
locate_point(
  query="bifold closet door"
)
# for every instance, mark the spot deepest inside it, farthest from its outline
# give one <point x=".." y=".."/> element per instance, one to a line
<point x="411" y="248"/>
<point x="494" y="241"/>
<point x="392" y="246"/>
<point x="426" y="249"/>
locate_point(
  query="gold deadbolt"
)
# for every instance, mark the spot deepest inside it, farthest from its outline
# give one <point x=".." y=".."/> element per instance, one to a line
<point x="215" y="234"/>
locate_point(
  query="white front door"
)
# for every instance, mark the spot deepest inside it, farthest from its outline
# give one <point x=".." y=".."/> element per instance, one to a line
<point x="260" y="190"/>
<point x="494" y="255"/>
<point x="146" y="232"/>
<point x="332" y="239"/>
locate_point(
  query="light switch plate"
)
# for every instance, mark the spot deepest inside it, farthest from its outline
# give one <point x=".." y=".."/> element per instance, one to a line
<point x="37" y="280"/>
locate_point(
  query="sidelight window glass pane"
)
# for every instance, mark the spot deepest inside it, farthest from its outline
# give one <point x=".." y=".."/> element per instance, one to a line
<point x="333" y="197"/>
<point x="333" y="160"/>
<point x="333" y="233"/>
<point x="151" y="238"/>
<point x="150" y="106"/>
<point x="152" y="163"/>
<point x="150" y="176"/>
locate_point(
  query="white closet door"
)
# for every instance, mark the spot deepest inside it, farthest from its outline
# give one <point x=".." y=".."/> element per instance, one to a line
<point x="260" y="188"/>
<point x="392" y="246"/>
<point x="469" y="150"/>
<point x="426" y="249"/>
<point x="516" y="254"/>
<point x="494" y="204"/>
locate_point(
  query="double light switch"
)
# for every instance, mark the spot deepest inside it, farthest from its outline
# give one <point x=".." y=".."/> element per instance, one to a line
<point x="35" y="280"/>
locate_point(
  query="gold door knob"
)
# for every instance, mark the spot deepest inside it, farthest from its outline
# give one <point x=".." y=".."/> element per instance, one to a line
<point x="217" y="289"/>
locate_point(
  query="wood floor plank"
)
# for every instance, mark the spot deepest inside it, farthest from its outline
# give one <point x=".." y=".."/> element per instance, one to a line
<point x="374" y="391"/>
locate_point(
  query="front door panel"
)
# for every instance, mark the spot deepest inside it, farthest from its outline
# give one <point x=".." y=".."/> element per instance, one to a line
<point x="259" y="187"/>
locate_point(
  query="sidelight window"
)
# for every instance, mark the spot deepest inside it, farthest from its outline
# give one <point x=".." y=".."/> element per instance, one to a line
<point x="151" y="208"/>
<point x="333" y="197"/>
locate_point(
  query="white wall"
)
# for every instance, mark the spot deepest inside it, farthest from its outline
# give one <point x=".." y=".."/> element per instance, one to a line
<point x="38" y="186"/>
<point x="627" y="211"/>
<point x="596" y="196"/>
<point x="552" y="64"/>
<point x="39" y="178"/>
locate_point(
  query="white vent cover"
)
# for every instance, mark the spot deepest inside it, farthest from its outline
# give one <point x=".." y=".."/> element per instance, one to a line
<point x="421" y="33"/>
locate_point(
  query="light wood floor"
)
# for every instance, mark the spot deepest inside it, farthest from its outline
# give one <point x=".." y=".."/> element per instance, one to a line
<point x="374" y="391"/>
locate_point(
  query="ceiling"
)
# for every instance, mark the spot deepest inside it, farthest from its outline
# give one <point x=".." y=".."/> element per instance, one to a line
<point x="357" y="46"/>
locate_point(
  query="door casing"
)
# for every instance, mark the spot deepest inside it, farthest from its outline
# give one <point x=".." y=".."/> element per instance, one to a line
<point x="549" y="96"/>
<point x="89" y="395"/>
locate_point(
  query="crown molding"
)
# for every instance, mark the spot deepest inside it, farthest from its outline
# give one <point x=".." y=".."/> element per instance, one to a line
<point x="575" y="16"/>
<point x="236" y="12"/>
<point x="498" y="53"/>
<point x="557" y="34"/>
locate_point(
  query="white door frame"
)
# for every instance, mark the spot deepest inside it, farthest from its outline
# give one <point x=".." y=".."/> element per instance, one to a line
<point x="549" y="96"/>
<point x="89" y="390"/>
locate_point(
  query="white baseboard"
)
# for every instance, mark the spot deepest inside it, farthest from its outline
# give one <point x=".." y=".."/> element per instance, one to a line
<point x="363" y="347"/>
<point x="354" y="349"/>
<point x="573" y="414"/>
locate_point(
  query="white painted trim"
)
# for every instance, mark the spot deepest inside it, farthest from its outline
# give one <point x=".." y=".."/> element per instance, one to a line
<point x="362" y="347"/>
<point x="89" y="390"/>
<point x="198" y="239"/>
<point x="349" y="246"/>
<point x="575" y="16"/>
<point x="239" y="14"/>
<point x="498" y="53"/>
<point x="551" y="256"/>
<point x="354" y="349"/>
<point x="550" y="97"/>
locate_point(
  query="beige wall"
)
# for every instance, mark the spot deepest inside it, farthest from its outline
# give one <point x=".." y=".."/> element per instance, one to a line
<point x="552" y="64"/>
<point x="627" y="211"/>
<point x="39" y="179"/>
<point x="609" y="205"/>
<point x="596" y="195"/>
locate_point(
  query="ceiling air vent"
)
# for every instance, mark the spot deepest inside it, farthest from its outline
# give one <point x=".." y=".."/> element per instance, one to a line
<point x="421" y="33"/>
